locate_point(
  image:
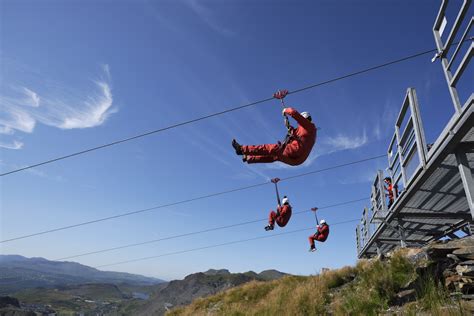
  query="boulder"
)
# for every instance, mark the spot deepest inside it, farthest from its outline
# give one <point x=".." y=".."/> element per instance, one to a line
<point x="465" y="270"/>
<point x="453" y="257"/>
<point x="452" y="279"/>
<point x="465" y="253"/>
<point x="404" y="297"/>
<point x="467" y="263"/>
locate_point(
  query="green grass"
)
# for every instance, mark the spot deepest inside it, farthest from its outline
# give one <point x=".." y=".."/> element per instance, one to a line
<point x="366" y="289"/>
<point x="376" y="285"/>
<point x="434" y="299"/>
<point x="290" y="295"/>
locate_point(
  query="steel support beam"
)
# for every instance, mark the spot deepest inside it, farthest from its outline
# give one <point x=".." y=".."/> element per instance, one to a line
<point x="466" y="177"/>
<point x="466" y="229"/>
<point x="453" y="236"/>
<point x="379" y="250"/>
<point x="434" y="215"/>
<point x="418" y="127"/>
<point x="401" y="231"/>
<point x="470" y="229"/>
<point x="396" y="240"/>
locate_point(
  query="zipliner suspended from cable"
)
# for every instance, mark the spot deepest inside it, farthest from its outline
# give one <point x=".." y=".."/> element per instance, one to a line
<point x="322" y="231"/>
<point x="294" y="150"/>
<point x="283" y="214"/>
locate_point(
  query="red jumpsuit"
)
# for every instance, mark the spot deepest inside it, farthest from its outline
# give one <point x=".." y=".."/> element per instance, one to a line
<point x="321" y="235"/>
<point x="389" y="190"/>
<point x="296" y="150"/>
<point x="283" y="219"/>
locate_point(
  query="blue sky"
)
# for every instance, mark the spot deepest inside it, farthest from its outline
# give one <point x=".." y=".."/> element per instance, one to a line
<point x="79" y="74"/>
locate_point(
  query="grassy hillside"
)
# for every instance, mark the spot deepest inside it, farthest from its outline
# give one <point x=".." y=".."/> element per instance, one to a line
<point x="193" y="286"/>
<point x="369" y="288"/>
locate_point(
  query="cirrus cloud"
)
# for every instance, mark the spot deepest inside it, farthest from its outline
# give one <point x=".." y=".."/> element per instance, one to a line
<point x="56" y="105"/>
<point x="14" y="145"/>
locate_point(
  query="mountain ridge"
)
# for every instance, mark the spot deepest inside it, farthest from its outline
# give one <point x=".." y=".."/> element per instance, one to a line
<point x="18" y="272"/>
<point x="198" y="285"/>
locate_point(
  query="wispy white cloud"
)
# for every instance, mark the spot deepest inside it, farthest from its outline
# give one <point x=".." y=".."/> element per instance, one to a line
<point x="6" y="130"/>
<point x="367" y="175"/>
<point x="93" y="113"/>
<point x="344" y="142"/>
<point x="14" y="145"/>
<point x="32" y="98"/>
<point x="384" y="124"/>
<point x="13" y="117"/>
<point x="56" y="105"/>
<point x="106" y="69"/>
<point x="208" y="16"/>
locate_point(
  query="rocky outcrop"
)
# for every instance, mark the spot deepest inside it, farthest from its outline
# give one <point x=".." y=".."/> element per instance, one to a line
<point x="8" y="301"/>
<point x="10" y="306"/>
<point x="450" y="262"/>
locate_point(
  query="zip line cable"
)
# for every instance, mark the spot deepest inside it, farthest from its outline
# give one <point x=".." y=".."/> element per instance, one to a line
<point x="200" y="232"/>
<point x="356" y="73"/>
<point x="188" y="200"/>
<point x="219" y="245"/>
<point x="211" y="246"/>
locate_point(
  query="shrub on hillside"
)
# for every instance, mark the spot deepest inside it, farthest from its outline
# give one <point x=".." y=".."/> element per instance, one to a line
<point x="376" y="285"/>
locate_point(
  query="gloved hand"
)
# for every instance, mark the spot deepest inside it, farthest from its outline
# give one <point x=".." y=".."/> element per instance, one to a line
<point x="280" y="94"/>
<point x="288" y="111"/>
<point x="317" y="226"/>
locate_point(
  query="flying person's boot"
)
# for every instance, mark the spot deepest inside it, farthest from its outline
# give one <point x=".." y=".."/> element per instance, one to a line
<point x="237" y="147"/>
<point x="269" y="227"/>
<point x="312" y="248"/>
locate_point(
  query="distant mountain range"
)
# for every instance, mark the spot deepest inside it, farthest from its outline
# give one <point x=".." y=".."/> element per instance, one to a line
<point x="41" y="284"/>
<point x="18" y="273"/>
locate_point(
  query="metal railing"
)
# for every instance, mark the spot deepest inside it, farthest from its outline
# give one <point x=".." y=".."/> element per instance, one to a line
<point x="378" y="199"/>
<point x="407" y="151"/>
<point x="445" y="47"/>
<point x="407" y="155"/>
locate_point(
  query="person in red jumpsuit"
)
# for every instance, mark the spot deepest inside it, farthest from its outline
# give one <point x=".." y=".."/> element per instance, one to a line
<point x="321" y="234"/>
<point x="281" y="216"/>
<point x="390" y="188"/>
<point x="293" y="151"/>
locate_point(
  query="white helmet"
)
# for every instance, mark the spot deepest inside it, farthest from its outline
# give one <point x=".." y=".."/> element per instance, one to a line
<point x="321" y="222"/>
<point x="285" y="200"/>
<point x="305" y="114"/>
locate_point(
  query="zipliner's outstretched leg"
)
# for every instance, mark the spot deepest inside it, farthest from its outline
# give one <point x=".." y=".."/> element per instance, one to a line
<point x="312" y="238"/>
<point x="271" y="220"/>
<point x="263" y="150"/>
<point x="262" y="153"/>
<point x="260" y="159"/>
<point x="294" y="152"/>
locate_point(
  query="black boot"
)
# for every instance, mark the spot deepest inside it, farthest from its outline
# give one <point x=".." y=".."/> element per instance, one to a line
<point x="269" y="227"/>
<point x="237" y="147"/>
